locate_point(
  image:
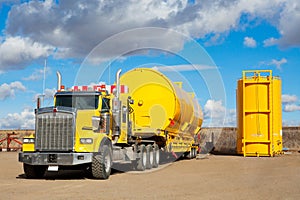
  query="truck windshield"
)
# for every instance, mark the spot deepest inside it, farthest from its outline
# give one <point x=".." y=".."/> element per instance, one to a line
<point x="82" y="102"/>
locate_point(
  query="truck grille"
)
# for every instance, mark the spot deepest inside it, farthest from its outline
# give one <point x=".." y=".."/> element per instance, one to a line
<point x="55" y="131"/>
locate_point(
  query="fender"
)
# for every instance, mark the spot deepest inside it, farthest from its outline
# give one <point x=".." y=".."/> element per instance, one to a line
<point x="105" y="141"/>
<point x="101" y="141"/>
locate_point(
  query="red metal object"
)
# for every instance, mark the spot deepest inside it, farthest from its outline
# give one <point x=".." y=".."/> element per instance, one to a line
<point x="10" y="137"/>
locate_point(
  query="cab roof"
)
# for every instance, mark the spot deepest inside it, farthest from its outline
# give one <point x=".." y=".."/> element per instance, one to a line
<point x="78" y="93"/>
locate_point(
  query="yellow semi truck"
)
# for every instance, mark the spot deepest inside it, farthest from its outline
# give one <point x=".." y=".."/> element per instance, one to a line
<point x="141" y="118"/>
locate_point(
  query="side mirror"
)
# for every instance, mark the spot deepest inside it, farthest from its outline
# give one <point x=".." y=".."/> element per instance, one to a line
<point x="130" y="101"/>
<point x="96" y="123"/>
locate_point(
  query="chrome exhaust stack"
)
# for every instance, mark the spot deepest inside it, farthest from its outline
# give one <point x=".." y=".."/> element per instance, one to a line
<point x="116" y="109"/>
<point x="58" y="80"/>
<point x="118" y="83"/>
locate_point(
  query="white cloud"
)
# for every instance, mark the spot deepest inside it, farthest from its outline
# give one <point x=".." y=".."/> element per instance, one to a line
<point x="68" y="30"/>
<point x="217" y="115"/>
<point x="230" y="120"/>
<point x="183" y="67"/>
<point x="290" y="103"/>
<point x="291" y="108"/>
<point x="38" y="74"/>
<point x="291" y="123"/>
<point x="9" y="90"/>
<point x="278" y="63"/>
<point x="274" y="62"/>
<point x="23" y="120"/>
<point x="286" y="98"/>
<point x="249" y="42"/>
<point x="137" y="41"/>
<point x="17" y="52"/>
<point x="270" y="42"/>
<point x="289" y="23"/>
<point x="48" y="94"/>
<point x="214" y="113"/>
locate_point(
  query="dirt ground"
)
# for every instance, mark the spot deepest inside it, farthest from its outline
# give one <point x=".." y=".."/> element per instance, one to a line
<point x="214" y="177"/>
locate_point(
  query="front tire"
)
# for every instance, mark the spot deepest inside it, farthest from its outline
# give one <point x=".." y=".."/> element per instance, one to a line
<point x="34" y="171"/>
<point x="101" y="163"/>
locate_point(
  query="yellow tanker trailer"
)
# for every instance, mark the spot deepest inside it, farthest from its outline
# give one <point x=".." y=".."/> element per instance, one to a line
<point x="97" y="127"/>
<point x="163" y="111"/>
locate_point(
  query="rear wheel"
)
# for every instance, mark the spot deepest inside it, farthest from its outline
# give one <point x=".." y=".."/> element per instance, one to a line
<point x="142" y="158"/>
<point x="156" y="156"/>
<point x="190" y="154"/>
<point x="194" y="152"/>
<point x="34" y="171"/>
<point x="101" y="163"/>
<point x="150" y="156"/>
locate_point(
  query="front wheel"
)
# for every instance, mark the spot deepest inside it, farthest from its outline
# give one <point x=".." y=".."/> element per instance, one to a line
<point x="101" y="163"/>
<point x="34" y="171"/>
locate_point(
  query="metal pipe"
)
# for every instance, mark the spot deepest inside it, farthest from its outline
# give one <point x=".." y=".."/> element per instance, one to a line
<point x="38" y="103"/>
<point x="58" y="80"/>
<point x="118" y="82"/>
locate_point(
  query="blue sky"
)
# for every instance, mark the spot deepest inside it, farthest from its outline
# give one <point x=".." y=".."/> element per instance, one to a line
<point x="219" y="39"/>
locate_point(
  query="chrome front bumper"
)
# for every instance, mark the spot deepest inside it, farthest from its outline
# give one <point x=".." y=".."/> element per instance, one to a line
<point x="66" y="159"/>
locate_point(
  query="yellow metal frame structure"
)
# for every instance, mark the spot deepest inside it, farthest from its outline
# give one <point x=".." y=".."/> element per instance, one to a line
<point x="259" y="114"/>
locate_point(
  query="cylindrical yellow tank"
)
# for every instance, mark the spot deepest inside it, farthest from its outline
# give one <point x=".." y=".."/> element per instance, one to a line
<point x="277" y="116"/>
<point x="259" y="126"/>
<point x="160" y="104"/>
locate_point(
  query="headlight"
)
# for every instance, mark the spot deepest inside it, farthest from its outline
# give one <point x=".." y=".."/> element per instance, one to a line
<point x="86" y="140"/>
<point x="28" y="140"/>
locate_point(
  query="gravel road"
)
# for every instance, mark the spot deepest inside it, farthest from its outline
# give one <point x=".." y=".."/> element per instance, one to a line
<point x="214" y="177"/>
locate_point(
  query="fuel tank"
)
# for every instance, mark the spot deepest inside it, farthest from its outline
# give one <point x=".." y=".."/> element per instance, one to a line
<point x="160" y="104"/>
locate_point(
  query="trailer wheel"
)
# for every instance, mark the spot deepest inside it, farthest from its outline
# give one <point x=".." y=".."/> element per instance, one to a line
<point x="190" y="154"/>
<point x="101" y="163"/>
<point x="194" y="152"/>
<point x="34" y="171"/>
<point x="156" y="156"/>
<point x="142" y="160"/>
<point x="150" y="156"/>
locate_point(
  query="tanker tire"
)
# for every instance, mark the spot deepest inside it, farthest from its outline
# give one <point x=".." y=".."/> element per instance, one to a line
<point x="150" y="156"/>
<point x="195" y="152"/>
<point x="141" y="161"/>
<point x="101" y="163"/>
<point x="190" y="154"/>
<point x="163" y="157"/>
<point x="34" y="171"/>
<point x="156" y="156"/>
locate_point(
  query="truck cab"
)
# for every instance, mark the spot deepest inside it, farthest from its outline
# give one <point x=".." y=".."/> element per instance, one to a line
<point x="96" y="127"/>
<point x="88" y="127"/>
<point x="65" y="135"/>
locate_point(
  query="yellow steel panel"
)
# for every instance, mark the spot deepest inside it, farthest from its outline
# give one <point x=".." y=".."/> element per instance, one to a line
<point x="239" y="111"/>
<point x="277" y="113"/>
<point x="257" y="149"/>
<point x="255" y="93"/>
<point x="161" y="104"/>
<point x="259" y="126"/>
<point x="256" y="125"/>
